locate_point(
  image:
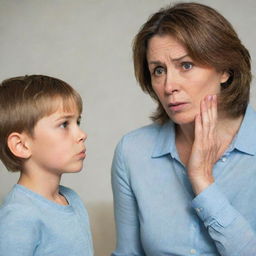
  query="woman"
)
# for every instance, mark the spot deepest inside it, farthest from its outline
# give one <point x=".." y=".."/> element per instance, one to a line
<point x="185" y="185"/>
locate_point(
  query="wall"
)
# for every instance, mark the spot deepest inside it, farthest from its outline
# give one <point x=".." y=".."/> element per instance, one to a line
<point x="88" y="44"/>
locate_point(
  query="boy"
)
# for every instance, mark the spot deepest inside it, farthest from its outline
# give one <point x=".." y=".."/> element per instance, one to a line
<point x="40" y="137"/>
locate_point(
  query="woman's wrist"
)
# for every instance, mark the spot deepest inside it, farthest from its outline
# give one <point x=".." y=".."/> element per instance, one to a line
<point x="200" y="184"/>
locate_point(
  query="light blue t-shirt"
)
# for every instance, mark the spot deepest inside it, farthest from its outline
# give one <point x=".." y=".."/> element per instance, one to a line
<point x="156" y="211"/>
<point x="31" y="225"/>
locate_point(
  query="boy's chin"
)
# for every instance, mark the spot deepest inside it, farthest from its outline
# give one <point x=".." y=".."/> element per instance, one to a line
<point x="73" y="170"/>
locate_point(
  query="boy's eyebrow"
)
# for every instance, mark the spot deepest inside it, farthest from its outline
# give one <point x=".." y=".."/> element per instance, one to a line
<point x="173" y="60"/>
<point x="67" y="116"/>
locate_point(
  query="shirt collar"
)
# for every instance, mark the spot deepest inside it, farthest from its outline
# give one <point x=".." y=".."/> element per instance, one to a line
<point x="165" y="141"/>
<point x="246" y="138"/>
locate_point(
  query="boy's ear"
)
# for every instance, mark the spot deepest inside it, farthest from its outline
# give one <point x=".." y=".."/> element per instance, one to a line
<point x="18" y="144"/>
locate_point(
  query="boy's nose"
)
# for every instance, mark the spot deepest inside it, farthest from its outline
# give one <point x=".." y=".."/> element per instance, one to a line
<point x="82" y="135"/>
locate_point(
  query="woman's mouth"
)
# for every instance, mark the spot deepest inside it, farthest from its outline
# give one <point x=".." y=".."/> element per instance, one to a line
<point x="177" y="106"/>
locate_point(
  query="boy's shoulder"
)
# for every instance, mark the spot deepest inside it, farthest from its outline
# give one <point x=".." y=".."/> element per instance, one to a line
<point x="15" y="209"/>
<point x="21" y="203"/>
<point x="16" y="200"/>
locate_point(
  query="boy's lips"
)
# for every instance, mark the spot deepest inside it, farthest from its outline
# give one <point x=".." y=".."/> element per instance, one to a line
<point x="82" y="154"/>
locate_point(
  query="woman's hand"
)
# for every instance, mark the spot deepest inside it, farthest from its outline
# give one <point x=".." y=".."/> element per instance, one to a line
<point x="205" y="147"/>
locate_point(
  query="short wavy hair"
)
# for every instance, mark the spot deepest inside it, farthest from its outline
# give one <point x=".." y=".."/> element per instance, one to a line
<point x="24" y="101"/>
<point x="210" y="40"/>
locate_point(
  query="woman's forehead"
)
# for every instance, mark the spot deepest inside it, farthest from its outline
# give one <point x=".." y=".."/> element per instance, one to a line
<point x="165" y="46"/>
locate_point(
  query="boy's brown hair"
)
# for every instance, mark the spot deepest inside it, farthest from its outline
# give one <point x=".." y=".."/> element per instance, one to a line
<point x="24" y="101"/>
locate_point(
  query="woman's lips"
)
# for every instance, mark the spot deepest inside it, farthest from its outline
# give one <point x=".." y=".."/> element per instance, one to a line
<point x="177" y="106"/>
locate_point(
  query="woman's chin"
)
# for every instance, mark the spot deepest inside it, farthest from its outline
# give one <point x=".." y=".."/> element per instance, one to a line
<point x="183" y="119"/>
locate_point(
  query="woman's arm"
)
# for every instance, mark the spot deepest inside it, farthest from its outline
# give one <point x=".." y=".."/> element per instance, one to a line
<point x="230" y="231"/>
<point x="125" y="206"/>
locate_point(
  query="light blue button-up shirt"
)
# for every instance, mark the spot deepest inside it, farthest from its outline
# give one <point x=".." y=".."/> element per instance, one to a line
<point x="156" y="210"/>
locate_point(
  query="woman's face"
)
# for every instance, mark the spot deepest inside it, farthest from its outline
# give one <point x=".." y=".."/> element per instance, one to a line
<point x="179" y="83"/>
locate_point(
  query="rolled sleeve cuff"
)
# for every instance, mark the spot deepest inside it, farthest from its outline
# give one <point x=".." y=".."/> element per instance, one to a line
<point x="212" y="206"/>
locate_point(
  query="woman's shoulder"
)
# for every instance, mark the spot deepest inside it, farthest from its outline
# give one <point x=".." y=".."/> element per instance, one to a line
<point x="143" y="139"/>
<point x="146" y="131"/>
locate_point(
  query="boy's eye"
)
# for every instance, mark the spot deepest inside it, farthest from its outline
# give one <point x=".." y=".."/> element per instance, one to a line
<point x="78" y="122"/>
<point x="64" y="124"/>
<point x="186" y="65"/>
<point x="158" y="71"/>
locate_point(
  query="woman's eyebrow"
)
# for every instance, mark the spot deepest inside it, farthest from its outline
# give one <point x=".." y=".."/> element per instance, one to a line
<point x="179" y="58"/>
<point x="156" y="62"/>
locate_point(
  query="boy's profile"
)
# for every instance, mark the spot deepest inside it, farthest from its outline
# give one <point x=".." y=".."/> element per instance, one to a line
<point x="40" y="137"/>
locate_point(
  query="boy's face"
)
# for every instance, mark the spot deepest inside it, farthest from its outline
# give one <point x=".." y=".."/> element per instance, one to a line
<point x="57" y="144"/>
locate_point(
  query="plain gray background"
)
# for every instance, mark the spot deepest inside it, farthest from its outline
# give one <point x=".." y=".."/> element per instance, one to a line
<point x="88" y="44"/>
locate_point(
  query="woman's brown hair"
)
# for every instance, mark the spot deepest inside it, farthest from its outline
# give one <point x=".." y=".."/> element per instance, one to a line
<point x="210" y="40"/>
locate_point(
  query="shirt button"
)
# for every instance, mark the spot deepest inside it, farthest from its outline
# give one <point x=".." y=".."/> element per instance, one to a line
<point x="223" y="159"/>
<point x="199" y="209"/>
<point x="193" y="251"/>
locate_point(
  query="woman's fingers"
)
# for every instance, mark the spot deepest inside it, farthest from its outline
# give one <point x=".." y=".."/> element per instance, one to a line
<point x="204" y="150"/>
<point x="214" y="108"/>
<point x="205" y="117"/>
<point x="208" y="102"/>
<point x="198" y="128"/>
<point x="208" y="109"/>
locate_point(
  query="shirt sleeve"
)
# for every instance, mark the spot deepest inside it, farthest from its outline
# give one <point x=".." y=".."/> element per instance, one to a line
<point x="18" y="233"/>
<point x="125" y="207"/>
<point x="230" y="231"/>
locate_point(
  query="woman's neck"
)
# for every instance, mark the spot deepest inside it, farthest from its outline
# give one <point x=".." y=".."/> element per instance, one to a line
<point x="227" y="128"/>
<point x="185" y="133"/>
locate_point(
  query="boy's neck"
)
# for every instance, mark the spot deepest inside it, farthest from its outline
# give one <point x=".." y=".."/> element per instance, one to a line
<point x="46" y="185"/>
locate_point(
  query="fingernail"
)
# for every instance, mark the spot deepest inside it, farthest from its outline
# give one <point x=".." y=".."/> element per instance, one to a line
<point x="209" y="97"/>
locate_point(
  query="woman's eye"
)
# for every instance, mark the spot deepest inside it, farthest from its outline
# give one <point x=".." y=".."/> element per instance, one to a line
<point x="158" y="71"/>
<point x="64" y="124"/>
<point x="186" y="65"/>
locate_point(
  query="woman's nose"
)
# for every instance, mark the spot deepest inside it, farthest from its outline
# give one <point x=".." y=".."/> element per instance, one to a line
<point x="171" y="83"/>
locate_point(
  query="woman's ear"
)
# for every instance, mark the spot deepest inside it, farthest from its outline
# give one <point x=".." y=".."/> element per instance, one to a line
<point x="18" y="144"/>
<point x="227" y="78"/>
<point x="224" y="77"/>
